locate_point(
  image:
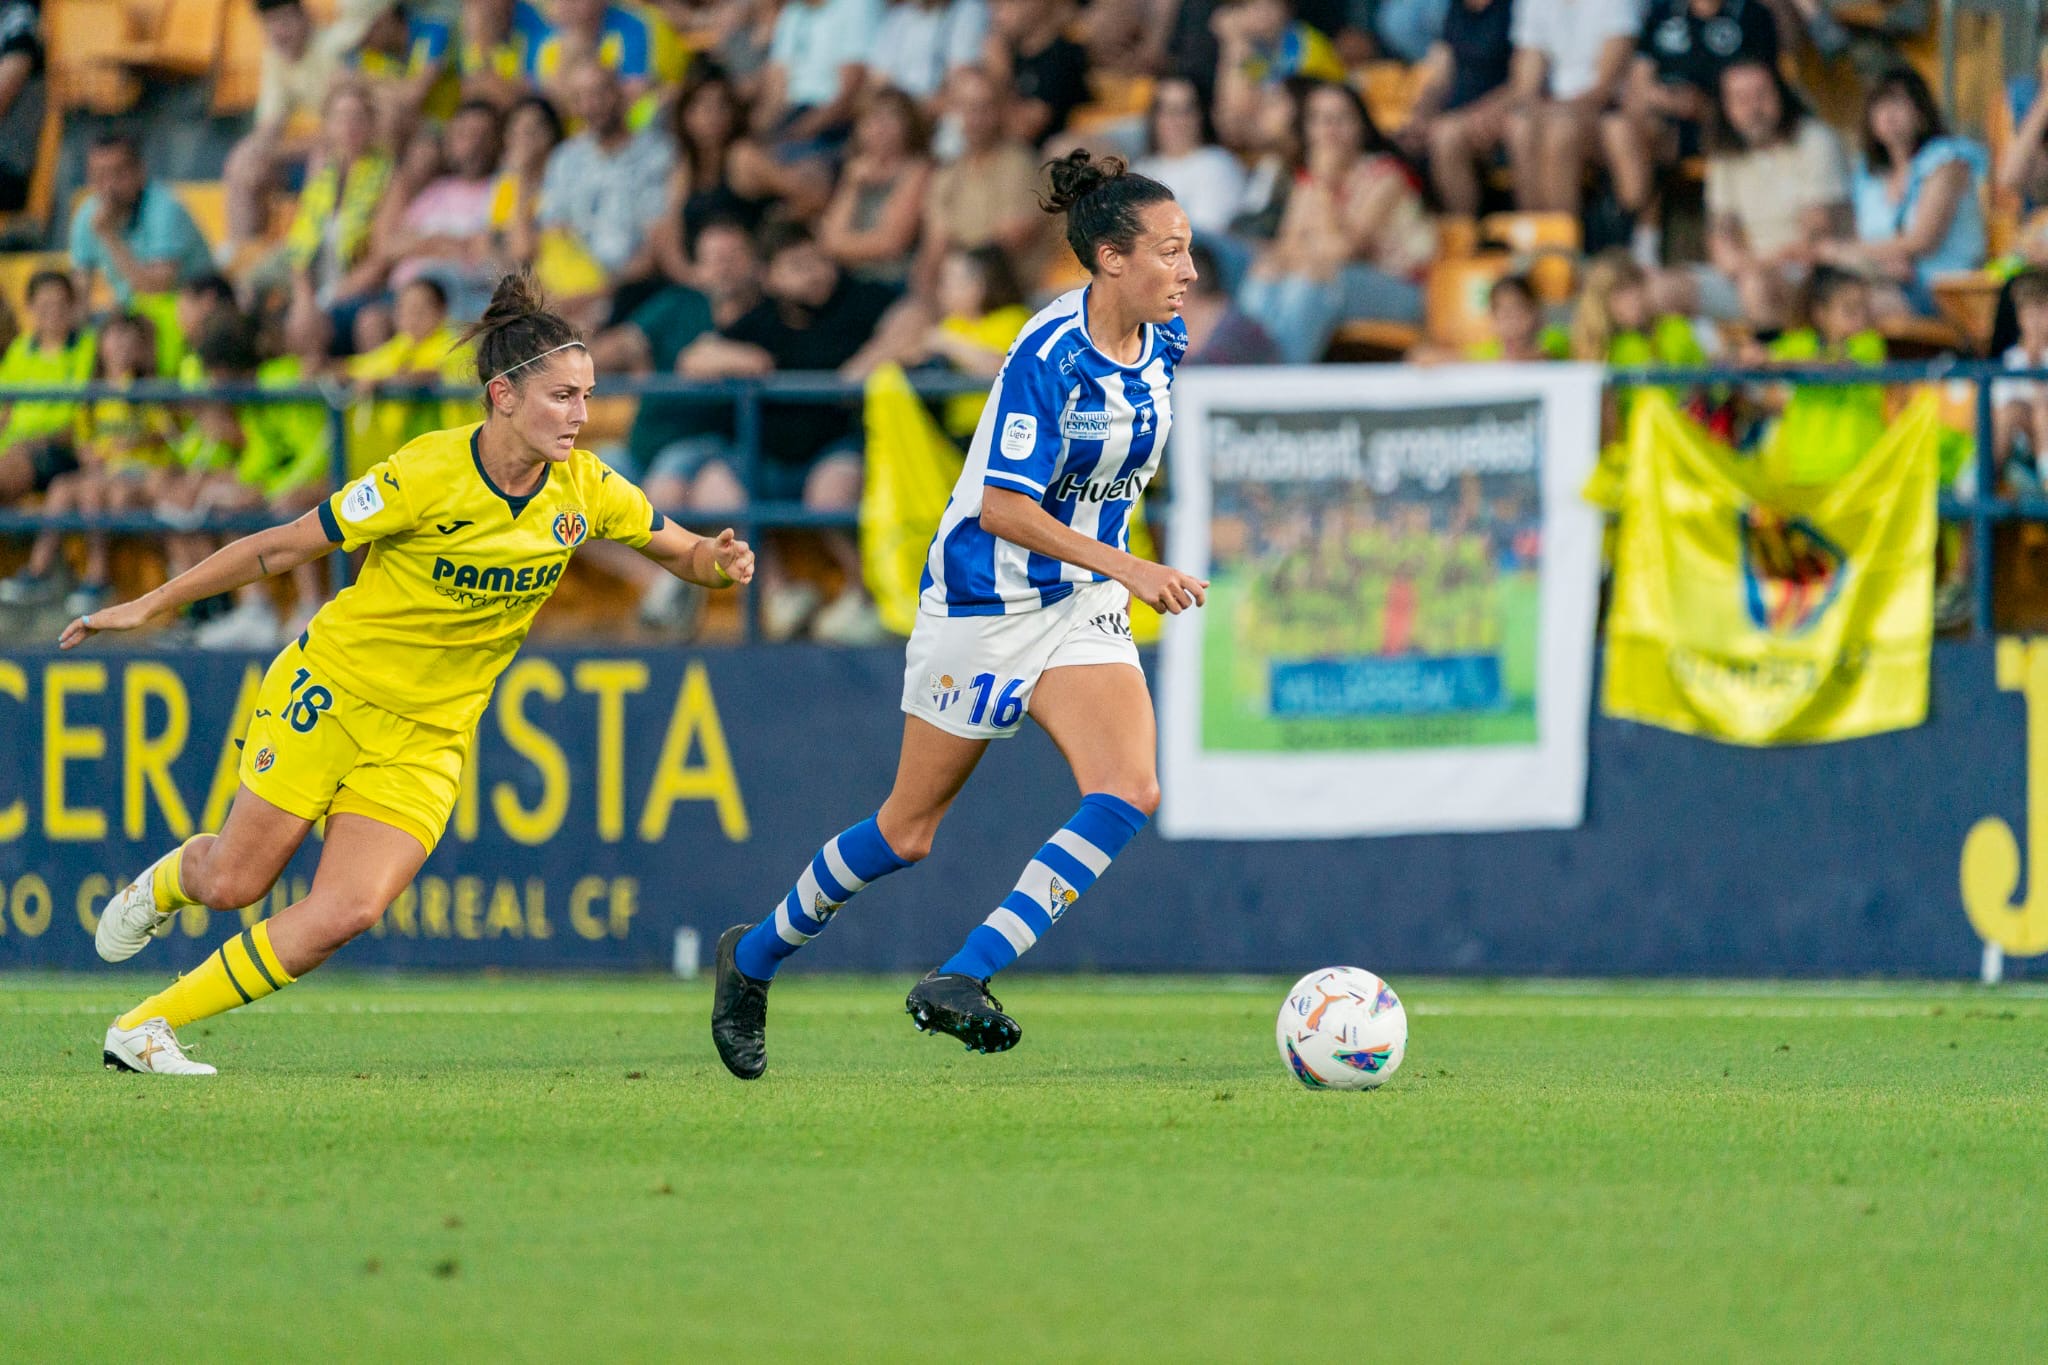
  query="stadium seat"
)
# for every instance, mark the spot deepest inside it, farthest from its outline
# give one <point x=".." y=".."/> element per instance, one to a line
<point x="174" y="37"/>
<point x="1374" y="339"/>
<point x="1389" y="90"/>
<point x="1454" y="299"/>
<point x="15" y="269"/>
<point x="1914" y="338"/>
<point x="1968" y="300"/>
<point x="1115" y="98"/>
<point x="86" y="40"/>
<point x="238" y="69"/>
<point x="207" y="202"/>
<point x="1456" y="236"/>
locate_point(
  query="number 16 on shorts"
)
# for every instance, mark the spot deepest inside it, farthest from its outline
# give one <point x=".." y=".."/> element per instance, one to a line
<point x="986" y="699"/>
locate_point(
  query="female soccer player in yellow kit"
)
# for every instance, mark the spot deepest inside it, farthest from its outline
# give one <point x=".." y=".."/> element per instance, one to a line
<point x="366" y="719"/>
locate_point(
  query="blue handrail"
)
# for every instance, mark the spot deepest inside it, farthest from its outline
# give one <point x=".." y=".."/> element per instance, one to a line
<point x="1981" y="508"/>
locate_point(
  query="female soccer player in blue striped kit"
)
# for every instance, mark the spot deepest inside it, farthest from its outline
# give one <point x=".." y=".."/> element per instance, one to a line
<point x="1025" y="610"/>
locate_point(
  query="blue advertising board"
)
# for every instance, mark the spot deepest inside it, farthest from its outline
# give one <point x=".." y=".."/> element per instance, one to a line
<point x="618" y="796"/>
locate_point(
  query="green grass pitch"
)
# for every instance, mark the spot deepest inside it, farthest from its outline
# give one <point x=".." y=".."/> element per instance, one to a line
<point x="516" y="1169"/>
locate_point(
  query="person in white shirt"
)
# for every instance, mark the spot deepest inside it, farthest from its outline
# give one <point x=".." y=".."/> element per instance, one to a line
<point x="1181" y="153"/>
<point x="1777" y="185"/>
<point x="1570" y="58"/>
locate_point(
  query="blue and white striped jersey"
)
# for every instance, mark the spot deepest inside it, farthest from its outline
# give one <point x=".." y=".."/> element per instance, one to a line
<point x="1075" y="430"/>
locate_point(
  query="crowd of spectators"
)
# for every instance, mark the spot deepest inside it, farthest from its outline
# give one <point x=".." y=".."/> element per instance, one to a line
<point x="726" y="188"/>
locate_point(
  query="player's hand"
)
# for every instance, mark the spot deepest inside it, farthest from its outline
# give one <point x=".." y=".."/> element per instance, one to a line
<point x="734" y="557"/>
<point x="1166" y="589"/>
<point x="126" y="616"/>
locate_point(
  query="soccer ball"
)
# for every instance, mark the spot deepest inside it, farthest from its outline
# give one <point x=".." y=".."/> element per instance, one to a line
<point x="1342" y="1028"/>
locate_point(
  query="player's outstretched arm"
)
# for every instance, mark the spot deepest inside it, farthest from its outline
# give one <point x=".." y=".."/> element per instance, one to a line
<point x="717" y="561"/>
<point x="1019" y="519"/>
<point x="236" y="564"/>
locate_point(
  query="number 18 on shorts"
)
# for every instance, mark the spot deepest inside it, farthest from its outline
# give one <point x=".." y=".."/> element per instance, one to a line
<point x="973" y="675"/>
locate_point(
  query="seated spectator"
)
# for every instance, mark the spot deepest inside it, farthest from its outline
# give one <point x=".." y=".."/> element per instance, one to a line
<point x="532" y="132"/>
<point x="1259" y="44"/>
<point x="618" y="38"/>
<point x="1823" y="430"/>
<point x="1219" y="332"/>
<point x="22" y="98"/>
<point x="1570" y="58"/>
<point x="328" y="245"/>
<point x="1181" y="154"/>
<point x="1918" y="210"/>
<point x="706" y="122"/>
<point x="36" y="435"/>
<point x="1354" y="240"/>
<point x="419" y="165"/>
<point x="673" y="440"/>
<point x="1671" y="85"/>
<point x="421" y="353"/>
<point x="814" y="318"/>
<point x="300" y="66"/>
<point x="984" y="196"/>
<point x="1614" y="322"/>
<point x="976" y="313"/>
<point x="199" y="301"/>
<point x="871" y="225"/>
<point x="251" y="457"/>
<point x="817" y="67"/>
<point x="1046" y="72"/>
<point x="132" y="229"/>
<point x="404" y="60"/>
<point x="1462" y="105"/>
<point x="1777" y="186"/>
<point x="1520" y="335"/>
<point x="494" y="40"/>
<point x="123" y="453"/>
<point x="444" y="232"/>
<point x="2019" y="407"/>
<point x="1276" y="152"/>
<point x="921" y="43"/>
<point x="602" y="195"/>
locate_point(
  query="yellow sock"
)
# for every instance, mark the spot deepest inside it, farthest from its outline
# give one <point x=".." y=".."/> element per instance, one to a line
<point x="166" y="883"/>
<point x="240" y="971"/>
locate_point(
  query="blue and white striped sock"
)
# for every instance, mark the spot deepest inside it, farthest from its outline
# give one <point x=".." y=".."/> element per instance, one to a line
<point x="843" y="866"/>
<point x="1066" y="865"/>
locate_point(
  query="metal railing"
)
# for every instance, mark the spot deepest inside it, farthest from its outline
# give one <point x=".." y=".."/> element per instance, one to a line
<point x="1980" y="507"/>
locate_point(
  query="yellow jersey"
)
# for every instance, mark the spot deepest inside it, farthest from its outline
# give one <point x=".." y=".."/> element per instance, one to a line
<point x="457" y="570"/>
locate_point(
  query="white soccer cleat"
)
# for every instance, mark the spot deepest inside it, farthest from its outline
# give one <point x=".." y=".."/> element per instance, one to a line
<point x="132" y="919"/>
<point x="149" y="1048"/>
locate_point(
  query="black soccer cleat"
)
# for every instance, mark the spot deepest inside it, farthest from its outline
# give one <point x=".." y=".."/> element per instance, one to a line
<point x="739" y="1012"/>
<point x="960" y="1006"/>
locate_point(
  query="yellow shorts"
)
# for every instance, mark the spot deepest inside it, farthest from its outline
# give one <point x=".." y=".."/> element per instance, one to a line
<point x="314" y="749"/>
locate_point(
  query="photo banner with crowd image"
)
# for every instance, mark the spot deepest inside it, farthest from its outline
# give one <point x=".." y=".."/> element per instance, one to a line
<point x="1404" y="589"/>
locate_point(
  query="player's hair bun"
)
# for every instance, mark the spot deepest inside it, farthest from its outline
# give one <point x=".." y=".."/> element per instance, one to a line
<point x="1103" y="201"/>
<point x="1077" y="175"/>
<point x="517" y="329"/>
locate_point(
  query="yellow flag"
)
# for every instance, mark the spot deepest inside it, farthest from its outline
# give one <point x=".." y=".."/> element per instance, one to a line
<point x="1762" y="614"/>
<point x="911" y="468"/>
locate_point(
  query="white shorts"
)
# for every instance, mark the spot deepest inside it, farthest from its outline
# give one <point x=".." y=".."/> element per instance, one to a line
<point x="973" y="675"/>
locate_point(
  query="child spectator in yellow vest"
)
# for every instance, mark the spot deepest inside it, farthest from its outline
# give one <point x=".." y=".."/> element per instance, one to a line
<point x="250" y="457"/>
<point x="52" y="354"/>
<point x="1615" y="324"/>
<point x="417" y="356"/>
<point x="1824" y="429"/>
<point x="124" y="455"/>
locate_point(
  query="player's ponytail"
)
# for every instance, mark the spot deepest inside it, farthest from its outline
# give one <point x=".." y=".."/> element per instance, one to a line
<point x="1103" y="201"/>
<point x="516" y="330"/>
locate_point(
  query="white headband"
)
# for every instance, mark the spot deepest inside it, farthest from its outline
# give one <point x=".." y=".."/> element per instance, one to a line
<point x="529" y="360"/>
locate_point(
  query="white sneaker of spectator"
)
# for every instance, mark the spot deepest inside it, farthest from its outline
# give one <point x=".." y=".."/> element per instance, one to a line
<point x="25" y="589"/>
<point x="849" y="619"/>
<point x="784" y="609"/>
<point x="672" y="606"/>
<point x="251" y="625"/>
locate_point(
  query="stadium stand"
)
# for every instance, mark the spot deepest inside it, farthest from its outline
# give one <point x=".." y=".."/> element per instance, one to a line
<point x="114" y="63"/>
